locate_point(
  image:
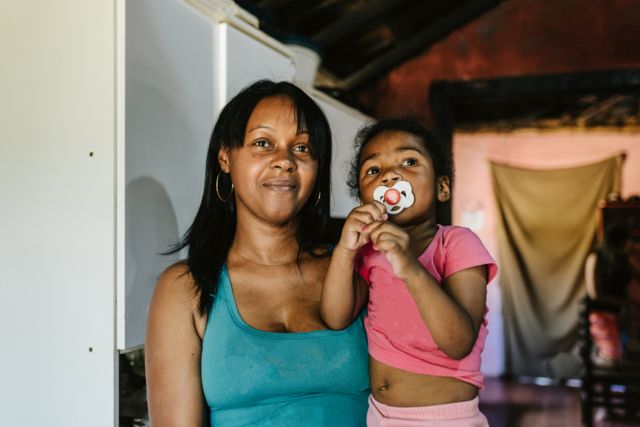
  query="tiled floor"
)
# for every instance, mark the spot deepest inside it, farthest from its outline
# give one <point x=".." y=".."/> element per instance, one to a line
<point x="513" y="404"/>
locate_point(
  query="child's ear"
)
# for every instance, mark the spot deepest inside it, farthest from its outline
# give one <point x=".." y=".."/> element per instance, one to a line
<point x="444" y="189"/>
<point x="223" y="159"/>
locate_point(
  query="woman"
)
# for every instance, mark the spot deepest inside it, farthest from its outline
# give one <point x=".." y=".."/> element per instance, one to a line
<point x="235" y="334"/>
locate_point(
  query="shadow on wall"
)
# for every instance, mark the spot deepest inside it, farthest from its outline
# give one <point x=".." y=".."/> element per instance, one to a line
<point x="151" y="228"/>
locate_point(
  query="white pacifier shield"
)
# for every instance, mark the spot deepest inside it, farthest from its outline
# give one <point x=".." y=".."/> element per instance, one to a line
<point x="406" y="197"/>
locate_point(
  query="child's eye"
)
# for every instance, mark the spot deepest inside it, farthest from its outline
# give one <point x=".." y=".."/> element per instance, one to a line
<point x="302" y="148"/>
<point x="409" y="162"/>
<point x="372" y="170"/>
<point x="261" y="143"/>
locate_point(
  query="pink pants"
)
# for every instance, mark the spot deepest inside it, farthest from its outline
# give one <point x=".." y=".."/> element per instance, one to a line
<point x="459" y="414"/>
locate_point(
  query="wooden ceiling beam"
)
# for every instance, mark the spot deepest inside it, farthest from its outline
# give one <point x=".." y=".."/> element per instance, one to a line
<point x="313" y="9"/>
<point x="272" y="4"/>
<point x="354" y="21"/>
<point x="423" y="39"/>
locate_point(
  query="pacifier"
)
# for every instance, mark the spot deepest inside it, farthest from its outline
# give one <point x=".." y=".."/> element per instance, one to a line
<point x="395" y="199"/>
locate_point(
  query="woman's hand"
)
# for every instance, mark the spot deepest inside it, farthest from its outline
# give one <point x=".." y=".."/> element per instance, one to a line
<point x="355" y="232"/>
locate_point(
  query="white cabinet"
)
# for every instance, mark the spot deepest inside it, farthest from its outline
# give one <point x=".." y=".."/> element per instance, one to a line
<point x="182" y="65"/>
<point x="345" y="123"/>
<point x="250" y="58"/>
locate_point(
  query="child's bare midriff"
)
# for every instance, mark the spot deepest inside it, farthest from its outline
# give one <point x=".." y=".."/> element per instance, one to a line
<point x="396" y="387"/>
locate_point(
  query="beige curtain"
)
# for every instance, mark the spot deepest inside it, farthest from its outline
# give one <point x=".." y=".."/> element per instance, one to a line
<point x="547" y="223"/>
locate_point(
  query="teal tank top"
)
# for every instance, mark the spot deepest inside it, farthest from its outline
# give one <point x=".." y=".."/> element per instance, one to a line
<point x="254" y="377"/>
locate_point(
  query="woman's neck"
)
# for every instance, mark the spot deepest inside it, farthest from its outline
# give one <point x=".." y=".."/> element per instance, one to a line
<point x="265" y="244"/>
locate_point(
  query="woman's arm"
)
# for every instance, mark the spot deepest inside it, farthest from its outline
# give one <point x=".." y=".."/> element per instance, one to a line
<point x="172" y="352"/>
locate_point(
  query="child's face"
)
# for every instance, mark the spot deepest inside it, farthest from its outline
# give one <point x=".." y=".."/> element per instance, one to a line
<point x="394" y="156"/>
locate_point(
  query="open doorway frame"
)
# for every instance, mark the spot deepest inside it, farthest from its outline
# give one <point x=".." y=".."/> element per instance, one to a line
<point x="579" y="100"/>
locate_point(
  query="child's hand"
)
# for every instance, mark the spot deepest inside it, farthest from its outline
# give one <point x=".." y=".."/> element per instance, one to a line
<point x="394" y="242"/>
<point x="355" y="232"/>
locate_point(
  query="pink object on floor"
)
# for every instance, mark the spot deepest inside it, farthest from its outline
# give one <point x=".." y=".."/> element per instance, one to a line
<point x="606" y="334"/>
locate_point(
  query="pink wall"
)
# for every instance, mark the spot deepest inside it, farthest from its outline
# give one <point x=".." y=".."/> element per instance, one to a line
<point x="473" y="203"/>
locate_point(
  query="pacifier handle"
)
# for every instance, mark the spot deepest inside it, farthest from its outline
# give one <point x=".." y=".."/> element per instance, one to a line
<point x="392" y="196"/>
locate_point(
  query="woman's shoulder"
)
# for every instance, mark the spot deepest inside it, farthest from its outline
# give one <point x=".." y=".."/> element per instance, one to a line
<point x="175" y="289"/>
<point x="176" y="278"/>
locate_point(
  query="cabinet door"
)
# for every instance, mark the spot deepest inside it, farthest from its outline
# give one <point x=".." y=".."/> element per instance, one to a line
<point x="169" y="114"/>
<point x="252" y="57"/>
<point x="345" y="123"/>
<point x="182" y="66"/>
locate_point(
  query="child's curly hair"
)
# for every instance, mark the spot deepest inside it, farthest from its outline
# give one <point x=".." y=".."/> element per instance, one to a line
<point x="437" y="149"/>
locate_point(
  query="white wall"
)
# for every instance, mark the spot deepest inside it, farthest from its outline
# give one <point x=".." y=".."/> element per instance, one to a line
<point x="57" y="218"/>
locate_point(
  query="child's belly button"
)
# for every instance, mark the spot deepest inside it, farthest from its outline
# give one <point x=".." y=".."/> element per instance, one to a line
<point x="383" y="387"/>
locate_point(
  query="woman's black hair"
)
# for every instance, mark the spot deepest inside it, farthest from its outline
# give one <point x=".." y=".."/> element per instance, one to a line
<point x="438" y="151"/>
<point x="612" y="270"/>
<point x="210" y="236"/>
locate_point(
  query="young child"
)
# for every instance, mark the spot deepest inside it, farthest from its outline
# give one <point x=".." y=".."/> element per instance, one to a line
<point x="425" y="283"/>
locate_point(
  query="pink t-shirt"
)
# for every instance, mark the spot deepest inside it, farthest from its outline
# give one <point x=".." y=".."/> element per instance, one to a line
<point x="397" y="334"/>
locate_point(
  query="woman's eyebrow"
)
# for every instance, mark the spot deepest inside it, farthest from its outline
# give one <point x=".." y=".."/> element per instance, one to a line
<point x="259" y="127"/>
<point x="302" y="132"/>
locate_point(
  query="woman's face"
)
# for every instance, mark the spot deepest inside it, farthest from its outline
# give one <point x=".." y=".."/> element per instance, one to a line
<point x="273" y="173"/>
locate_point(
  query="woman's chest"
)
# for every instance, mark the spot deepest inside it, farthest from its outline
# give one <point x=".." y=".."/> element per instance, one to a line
<point x="286" y="302"/>
<point x="242" y="365"/>
<point x="248" y="368"/>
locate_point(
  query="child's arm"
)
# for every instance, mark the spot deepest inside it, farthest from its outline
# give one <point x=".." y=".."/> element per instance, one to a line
<point x="344" y="292"/>
<point x="452" y="312"/>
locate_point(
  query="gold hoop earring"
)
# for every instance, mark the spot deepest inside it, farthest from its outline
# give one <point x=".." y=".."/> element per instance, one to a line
<point x="222" y="199"/>
<point x="315" y="205"/>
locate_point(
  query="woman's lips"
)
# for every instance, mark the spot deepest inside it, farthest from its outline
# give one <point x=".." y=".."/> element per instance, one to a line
<point x="281" y="185"/>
